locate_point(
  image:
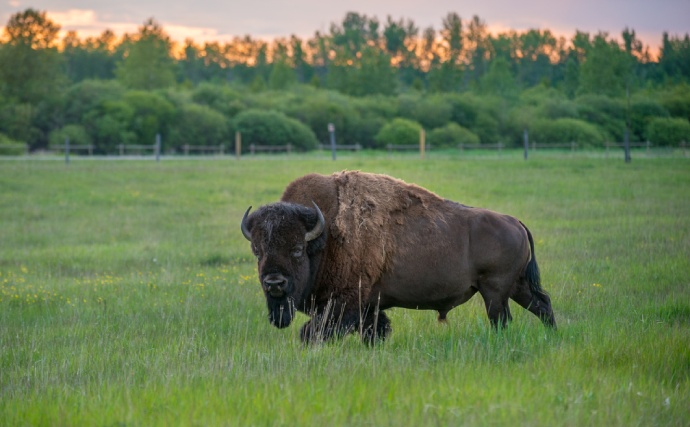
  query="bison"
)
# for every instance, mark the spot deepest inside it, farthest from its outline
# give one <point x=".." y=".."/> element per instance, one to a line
<point x="345" y="247"/>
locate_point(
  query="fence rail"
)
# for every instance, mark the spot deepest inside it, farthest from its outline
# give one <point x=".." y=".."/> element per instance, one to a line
<point x="500" y="146"/>
<point x="254" y="148"/>
<point x="213" y="149"/>
<point x="406" y="147"/>
<point x="559" y="145"/>
<point x="341" y="147"/>
<point x="138" y="149"/>
<point x="62" y="148"/>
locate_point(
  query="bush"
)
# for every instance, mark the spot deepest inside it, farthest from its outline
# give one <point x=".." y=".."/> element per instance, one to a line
<point x="607" y="113"/>
<point x="398" y="132"/>
<point x="198" y="125"/>
<point x="11" y="147"/>
<point x="668" y="131"/>
<point x="565" y="130"/>
<point x="642" y="111"/>
<point x="430" y="111"/>
<point x="451" y="135"/>
<point x="273" y="128"/>
<point x="76" y="133"/>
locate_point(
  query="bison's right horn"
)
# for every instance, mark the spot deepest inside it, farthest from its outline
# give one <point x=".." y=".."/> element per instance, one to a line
<point x="318" y="228"/>
<point x="245" y="231"/>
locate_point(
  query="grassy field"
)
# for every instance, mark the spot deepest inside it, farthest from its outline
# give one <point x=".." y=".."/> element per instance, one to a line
<point x="129" y="297"/>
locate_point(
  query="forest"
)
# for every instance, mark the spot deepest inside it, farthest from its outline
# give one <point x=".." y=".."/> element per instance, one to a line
<point x="378" y="81"/>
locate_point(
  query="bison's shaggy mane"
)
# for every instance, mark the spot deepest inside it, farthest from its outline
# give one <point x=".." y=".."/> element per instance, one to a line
<point x="370" y="208"/>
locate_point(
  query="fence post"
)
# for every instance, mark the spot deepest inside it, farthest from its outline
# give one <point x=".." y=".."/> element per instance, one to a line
<point x="648" y="147"/>
<point x="67" y="150"/>
<point x="331" y="131"/>
<point x="222" y="149"/>
<point x="500" y="148"/>
<point x="607" y="149"/>
<point x="526" y="138"/>
<point x="626" y="144"/>
<point x="422" y="143"/>
<point x="238" y="145"/>
<point x="572" y="146"/>
<point x="185" y="149"/>
<point x="158" y="147"/>
<point x="683" y="145"/>
<point x="289" y="148"/>
<point x="252" y="149"/>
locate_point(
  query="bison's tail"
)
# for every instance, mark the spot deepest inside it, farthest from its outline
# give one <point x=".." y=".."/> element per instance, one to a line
<point x="532" y="271"/>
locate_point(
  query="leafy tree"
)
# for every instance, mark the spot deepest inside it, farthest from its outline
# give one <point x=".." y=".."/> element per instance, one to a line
<point x="606" y="70"/>
<point x="109" y="124"/>
<point x="30" y="67"/>
<point x="499" y="80"/>
<point x="147" y="64"/>
<point x="93" y="58"/>
<point x="153" y="115"/>
<point x="87" y="95"/>
<point x="674" y="58"/>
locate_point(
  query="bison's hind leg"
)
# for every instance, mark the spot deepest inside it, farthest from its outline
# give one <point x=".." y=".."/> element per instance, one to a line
<point x="495" y="294"/>
<point x="375" y="327"/>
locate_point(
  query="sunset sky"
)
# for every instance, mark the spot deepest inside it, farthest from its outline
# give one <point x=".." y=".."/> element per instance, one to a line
<point x="208" y="20"/>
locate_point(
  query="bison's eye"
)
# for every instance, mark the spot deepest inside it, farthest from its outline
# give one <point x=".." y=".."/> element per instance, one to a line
<point x="297" y="251"/>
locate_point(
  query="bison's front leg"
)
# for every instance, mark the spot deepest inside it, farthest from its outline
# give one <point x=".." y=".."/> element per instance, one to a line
<point x="375" y="327"/>
<point x="322" y="328"/>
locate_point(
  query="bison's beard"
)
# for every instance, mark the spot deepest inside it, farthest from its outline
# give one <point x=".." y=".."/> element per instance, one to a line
<point x="280" y="311"/>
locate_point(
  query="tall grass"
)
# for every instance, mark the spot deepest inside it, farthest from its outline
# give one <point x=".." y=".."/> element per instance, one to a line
<point x="128" y="296"/>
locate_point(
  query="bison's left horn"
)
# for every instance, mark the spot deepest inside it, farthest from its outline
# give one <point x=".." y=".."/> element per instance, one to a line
<point x="245" y="231"/>
<point x="318" y="228"/>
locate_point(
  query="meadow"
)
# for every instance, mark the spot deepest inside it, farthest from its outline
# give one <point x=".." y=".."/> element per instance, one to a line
<point x="128" y="297"/>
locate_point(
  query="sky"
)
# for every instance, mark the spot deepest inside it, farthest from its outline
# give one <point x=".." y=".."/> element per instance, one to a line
<point x="221" y="20"/>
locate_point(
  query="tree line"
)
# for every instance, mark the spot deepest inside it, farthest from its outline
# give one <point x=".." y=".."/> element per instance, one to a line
<point x="378" y="82"/>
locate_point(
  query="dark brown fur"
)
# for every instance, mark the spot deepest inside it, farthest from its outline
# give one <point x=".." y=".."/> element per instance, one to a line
<point x="390" y="244"/>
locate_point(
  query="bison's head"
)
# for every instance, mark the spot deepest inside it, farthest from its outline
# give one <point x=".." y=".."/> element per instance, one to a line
<point x="285" y="239"/>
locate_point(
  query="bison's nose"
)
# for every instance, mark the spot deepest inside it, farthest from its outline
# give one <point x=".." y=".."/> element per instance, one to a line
<point x="275" y="285"/>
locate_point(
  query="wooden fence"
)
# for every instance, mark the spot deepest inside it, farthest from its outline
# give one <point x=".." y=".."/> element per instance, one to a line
<point x="204" y="149"/>
<point x="63" y="148"/>
<point x="341" y="147"/>
<point x="254" y="148"/>
<point x="499" y="147"/>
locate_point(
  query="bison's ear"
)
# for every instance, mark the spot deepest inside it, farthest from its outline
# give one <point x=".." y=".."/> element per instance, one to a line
<point x="318" y="227"/>
<point x="245" y="228"/>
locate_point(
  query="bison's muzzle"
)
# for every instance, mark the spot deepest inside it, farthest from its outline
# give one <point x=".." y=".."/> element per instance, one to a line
<point x="275" y="285"/>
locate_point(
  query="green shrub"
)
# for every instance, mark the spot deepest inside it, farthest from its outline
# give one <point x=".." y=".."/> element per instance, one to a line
<point x="642" y="111"/>
<point x="451" y="135"/>
<point x="198" y="125"/>
<point x="76" y="133"/>
<point x="273" y="128"/>
<point x="430" y="111"/>
<point x="607" y="113"/>
<point x="398" y="132"/>
<point x="11" y="147"/>
<point x="565" y="130"/>
<point x="668" y="131"/>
